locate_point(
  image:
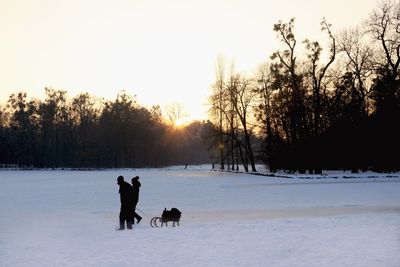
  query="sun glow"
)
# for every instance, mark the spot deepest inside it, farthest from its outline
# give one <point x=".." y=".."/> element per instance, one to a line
<point x="179" y="123"/>
<point x="161" y="51"/>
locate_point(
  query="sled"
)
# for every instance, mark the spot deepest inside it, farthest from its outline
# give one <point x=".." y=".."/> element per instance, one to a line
<point x="173" y="215"/>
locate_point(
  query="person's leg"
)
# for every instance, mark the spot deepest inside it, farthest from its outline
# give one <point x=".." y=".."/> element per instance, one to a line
<point x="138" y="217"/>
<point x="134" y="210"/>
<point x="135" y="215"/>
<point x="129" y="224"/>
<point x="121" y="220"/>
<point x="128" y="217"/>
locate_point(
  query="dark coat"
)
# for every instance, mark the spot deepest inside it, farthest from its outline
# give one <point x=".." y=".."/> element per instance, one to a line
<point x="135" y="191"/>
<point x="125" y="193"/>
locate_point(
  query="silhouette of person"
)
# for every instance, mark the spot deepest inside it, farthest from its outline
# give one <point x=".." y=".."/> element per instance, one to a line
<point x="125" y="214"/>
<point x="135" y="198"/>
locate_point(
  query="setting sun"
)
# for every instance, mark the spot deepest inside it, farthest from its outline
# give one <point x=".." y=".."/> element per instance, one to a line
<point x="182" y="122"/>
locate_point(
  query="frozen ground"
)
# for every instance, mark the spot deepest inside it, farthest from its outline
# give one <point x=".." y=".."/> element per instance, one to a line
<point x="68" y="218"/>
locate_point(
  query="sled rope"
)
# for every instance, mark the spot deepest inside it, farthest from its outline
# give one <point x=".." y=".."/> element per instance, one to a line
<point x="143" y="212"/>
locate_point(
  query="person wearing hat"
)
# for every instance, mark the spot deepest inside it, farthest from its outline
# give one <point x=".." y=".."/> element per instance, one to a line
<point x="125" y="214"/>
<point x="135" y="198"/>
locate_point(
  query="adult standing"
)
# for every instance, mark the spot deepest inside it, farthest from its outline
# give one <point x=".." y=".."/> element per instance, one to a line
<point x="125" y="214"/>
<point x="135" y="198"/>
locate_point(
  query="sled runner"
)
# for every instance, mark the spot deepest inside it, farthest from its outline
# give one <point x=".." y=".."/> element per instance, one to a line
<point x="173" y="215"/>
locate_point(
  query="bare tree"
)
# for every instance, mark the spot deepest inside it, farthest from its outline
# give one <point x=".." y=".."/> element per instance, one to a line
<point x="264" y="106"/>
<point x="288" y="78"/>
<point x="218" y="105"/>
<point x="318" y="72"/>
<point x="384" y="26"/>
<point x="358" y="61"/>
<point x="242" y="96"/>
<point x="175" y="112"/>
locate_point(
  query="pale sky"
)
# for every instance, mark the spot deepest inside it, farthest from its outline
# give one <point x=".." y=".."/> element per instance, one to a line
<point x="162" y="51"/>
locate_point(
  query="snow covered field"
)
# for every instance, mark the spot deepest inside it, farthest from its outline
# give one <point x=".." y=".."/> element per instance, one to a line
<point x="68" y="218"/>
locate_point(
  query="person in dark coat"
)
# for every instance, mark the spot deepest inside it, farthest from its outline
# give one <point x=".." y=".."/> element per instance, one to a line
<point x="135" y="198"/>
<point x="125" y="214"/>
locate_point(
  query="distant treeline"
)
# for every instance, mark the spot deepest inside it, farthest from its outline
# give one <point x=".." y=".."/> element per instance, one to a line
<point x="87" y="132"/>
<point x="316" y="108"/>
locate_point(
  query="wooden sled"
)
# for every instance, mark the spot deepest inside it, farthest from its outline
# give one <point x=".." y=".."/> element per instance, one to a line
<point x="173" y="215"/>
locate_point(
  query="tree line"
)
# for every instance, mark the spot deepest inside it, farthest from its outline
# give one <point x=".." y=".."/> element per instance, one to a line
<point x="88" y="132"/>
<point x="331" y="106"/>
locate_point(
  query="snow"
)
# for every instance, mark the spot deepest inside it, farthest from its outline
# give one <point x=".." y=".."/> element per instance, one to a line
<point x="68" y="218"/>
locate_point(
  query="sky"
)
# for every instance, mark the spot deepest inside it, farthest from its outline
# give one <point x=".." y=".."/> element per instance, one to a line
<point x="164" y="52"/>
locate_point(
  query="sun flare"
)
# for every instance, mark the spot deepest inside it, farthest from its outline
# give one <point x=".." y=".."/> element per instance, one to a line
<point x="181" y="122"/>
